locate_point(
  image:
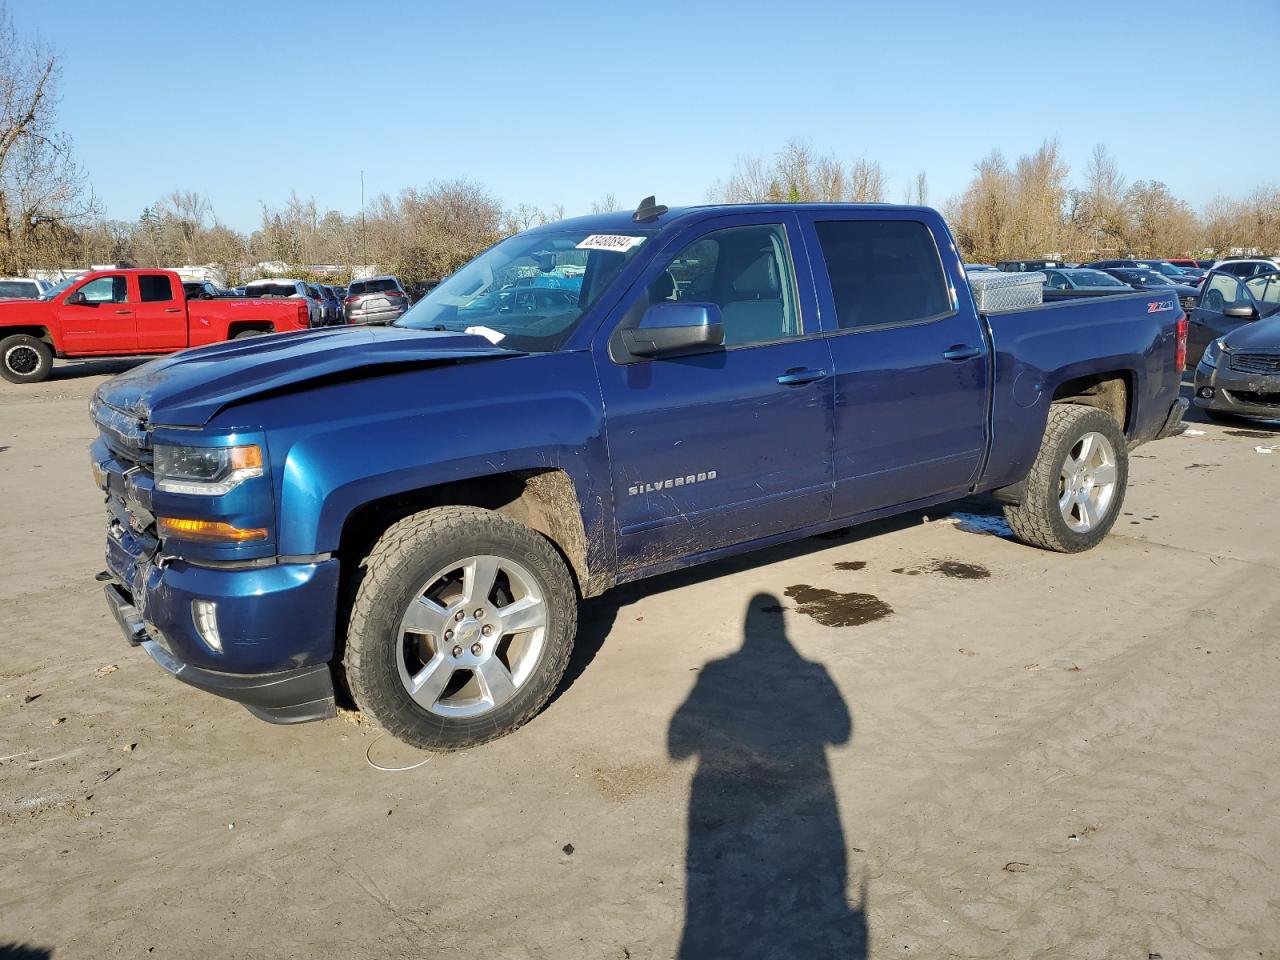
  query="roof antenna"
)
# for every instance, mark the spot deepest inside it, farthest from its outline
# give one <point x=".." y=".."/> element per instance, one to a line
<point x="648" y="211"/>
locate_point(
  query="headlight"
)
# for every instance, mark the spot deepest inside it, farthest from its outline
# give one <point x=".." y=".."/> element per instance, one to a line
<point x="207" y="471"/>
<point x="1212" y="352"/>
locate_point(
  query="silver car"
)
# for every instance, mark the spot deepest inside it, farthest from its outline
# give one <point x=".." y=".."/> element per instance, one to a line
<point x="376" y="300"/>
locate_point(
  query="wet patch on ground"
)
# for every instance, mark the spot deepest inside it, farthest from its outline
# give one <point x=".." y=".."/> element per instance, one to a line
<point x="851" y="564"/>
<point x="959" y="570"/>
<point x="956" y="569"/>
<point x="833" y="609"/>
<point x="1200" y="466"/>
<point x="989" y="523"/>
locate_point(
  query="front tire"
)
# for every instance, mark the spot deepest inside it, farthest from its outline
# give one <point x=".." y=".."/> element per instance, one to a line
<point x="25" y="359"/>
<point x="461" y="628"/>
<point x="1077" y="483"/>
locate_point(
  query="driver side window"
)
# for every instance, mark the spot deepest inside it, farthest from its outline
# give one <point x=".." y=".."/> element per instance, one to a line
<point x="106" y="290"/>
<point x="746" y="272"/>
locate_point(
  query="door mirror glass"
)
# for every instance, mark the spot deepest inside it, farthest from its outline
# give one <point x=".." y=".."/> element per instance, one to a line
<point x="669" y="328"/>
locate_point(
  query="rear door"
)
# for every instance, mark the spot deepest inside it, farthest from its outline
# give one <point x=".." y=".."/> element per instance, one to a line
<point x="161" y="313"/>
<point x="733" y="444"/>
<point x="911" y="362"/>
<point x="104" y="322"/>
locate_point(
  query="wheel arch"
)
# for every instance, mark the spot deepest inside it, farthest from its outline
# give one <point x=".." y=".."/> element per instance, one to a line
<point x="1111" y="392"/>
<point x="37" y="330"/>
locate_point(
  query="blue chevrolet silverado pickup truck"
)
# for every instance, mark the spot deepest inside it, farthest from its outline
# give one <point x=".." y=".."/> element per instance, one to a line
<point x="411" y="514"/>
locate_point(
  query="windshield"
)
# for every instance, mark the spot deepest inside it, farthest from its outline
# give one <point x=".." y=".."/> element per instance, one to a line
<point x="58" y="288"/>
<point x="1167" y="269"/>
<point x="530" y="291"/>
<point x="1093" y="278"/>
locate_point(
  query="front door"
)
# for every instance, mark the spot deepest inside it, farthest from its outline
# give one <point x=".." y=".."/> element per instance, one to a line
<point x="161" y="314"/>
<point x="733" y="444"/>
<point x="911" y="362"/>
<point x="102" y="320"/>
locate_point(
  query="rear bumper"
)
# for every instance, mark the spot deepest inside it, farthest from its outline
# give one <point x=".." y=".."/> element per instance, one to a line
<point x="376" y="316"/>
<point x="286" y="696"/>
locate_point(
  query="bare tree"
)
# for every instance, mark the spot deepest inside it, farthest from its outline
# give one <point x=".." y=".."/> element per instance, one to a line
<point x="43" y="195"/>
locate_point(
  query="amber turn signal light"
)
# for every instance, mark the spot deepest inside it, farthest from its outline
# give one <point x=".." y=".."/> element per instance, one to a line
<point x="207" y="531"/>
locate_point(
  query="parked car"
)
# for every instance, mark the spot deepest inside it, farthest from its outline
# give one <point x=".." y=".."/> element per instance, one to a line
<point x="1227" y="302"/>
<point x="111" y="313"/>
<point x="289" y="289"/>
<point x="1162" y="267"/>
<point x="1142" y="279"/>
<point x="1078" y="282"/>
<point x="1029" y="266"/>
<point x="1239" y="372"/>
<point x="1205" y="264"/>
<point x="463" y="491"/>
<point x="203" y="290"/>
<point x="1246" y="266"/>
<point x="1184" y="262"/>
<point x="332" y="304"/>
<point x="376" y="300"/>
<point x="339" y="292"/>
<point x="21" y="288"/>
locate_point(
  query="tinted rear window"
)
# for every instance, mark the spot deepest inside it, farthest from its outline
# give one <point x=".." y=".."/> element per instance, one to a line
<point x="154" y="288"/>
<point x="271" y="290"/>
<point x="15" y="288"/>
<point x="882" y="272"/>
<point x="372" y="286"/>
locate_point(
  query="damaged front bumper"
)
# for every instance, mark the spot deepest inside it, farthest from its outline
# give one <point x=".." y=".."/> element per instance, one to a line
<point x="1224" y="390"/>
<point x="287" y="696"/>
<point x="260" y="632"/>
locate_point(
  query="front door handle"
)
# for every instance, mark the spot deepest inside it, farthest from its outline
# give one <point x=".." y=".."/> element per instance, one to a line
<point x="172" y="309"/>
<point x="962" y="351"/>
<point x="124" y="311"/>
<point x="794" y="378"/>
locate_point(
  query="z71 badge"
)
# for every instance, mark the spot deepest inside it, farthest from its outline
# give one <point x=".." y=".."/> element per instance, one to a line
<point x="1160" y="306"/>
<point x="672" y="483"/>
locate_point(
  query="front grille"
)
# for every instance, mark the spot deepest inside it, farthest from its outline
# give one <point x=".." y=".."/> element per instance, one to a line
<point x="1257" y="399"/>
<point x="124" y="435"/>
<point x="1188" y="303"/>
<point x="1264" y="363"/>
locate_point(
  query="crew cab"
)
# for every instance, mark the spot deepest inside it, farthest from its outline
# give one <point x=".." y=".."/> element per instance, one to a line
<point x="112" y="313"/>
<point x="410" y="514"/>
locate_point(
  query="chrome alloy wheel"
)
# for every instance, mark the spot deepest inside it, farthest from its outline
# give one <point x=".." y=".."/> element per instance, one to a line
<point x="22" y="359"/>
<point x="1087" y="484"/>
<point x="472" y="636"/>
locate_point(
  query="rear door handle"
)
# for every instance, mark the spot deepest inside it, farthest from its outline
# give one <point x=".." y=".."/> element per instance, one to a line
<point x="172" y="309"/>
<point x="962" y="351"/>
<point x="794" y="378"/>
<point x="124" y="311"/>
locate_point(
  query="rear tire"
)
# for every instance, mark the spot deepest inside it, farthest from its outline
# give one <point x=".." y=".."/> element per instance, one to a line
<point x="461" y="627"/>
<point x="25" y="359"/>
<point x="1076" y="485"/>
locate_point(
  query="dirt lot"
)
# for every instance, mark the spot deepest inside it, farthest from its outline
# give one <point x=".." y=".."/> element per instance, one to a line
<point x="933" y="742"/>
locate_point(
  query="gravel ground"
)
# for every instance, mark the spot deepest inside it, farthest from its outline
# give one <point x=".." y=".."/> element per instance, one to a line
<point x="916" y="738"/>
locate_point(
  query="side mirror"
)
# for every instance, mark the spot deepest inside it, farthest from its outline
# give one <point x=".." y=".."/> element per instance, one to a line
<point x="669" y="328"/>
<point x="1246" y="312"/>
<point x="77" y="298"/>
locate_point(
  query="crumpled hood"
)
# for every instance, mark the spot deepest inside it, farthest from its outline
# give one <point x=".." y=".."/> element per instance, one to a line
<point x="187" y="389"/>
<point x="1262" y="335"/>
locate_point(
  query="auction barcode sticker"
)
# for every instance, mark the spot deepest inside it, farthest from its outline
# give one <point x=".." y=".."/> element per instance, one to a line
<point x="618" y="242"/>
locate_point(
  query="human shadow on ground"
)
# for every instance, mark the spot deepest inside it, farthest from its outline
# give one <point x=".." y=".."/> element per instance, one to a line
<point x="766" y="862"/>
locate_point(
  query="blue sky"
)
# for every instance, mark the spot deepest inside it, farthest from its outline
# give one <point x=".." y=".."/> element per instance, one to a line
<point x="566" y="102"/>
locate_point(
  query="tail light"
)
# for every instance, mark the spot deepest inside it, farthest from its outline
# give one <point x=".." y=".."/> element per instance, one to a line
<point x="1183" y="326"/>
<point x="352" y="299"/>
<point x="304" y="314"/>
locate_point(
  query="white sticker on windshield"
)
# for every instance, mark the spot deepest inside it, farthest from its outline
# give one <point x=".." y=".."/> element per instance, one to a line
<point x="618" y="242"/>
<point x="493" y="336"/>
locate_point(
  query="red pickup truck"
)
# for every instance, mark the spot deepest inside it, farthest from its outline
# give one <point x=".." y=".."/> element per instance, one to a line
<point x="122" y="313"/>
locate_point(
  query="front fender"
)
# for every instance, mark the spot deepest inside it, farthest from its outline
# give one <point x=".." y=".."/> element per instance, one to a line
<point x="355" y="443"/>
